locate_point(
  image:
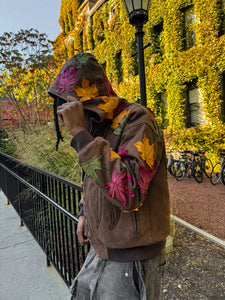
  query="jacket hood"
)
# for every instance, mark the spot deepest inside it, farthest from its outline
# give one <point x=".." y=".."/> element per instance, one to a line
<point x="83" y="77"/>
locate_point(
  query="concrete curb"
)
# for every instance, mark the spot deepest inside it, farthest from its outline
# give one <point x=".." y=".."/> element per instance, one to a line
<point x="202" y="233"/>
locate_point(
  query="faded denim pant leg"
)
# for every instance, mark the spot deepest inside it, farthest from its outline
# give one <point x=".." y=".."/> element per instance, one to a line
<point x="101" y="279"/>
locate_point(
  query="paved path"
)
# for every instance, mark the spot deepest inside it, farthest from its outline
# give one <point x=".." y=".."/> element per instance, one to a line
<point x="201" y="205"/>
<point x="23" y="271"/>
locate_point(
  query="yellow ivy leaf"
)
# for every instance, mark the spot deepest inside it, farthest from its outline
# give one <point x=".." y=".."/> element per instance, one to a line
<point x="147" y="151"/>
<point x="119" y="118"/>
<point x="87" y="91"/>
<point x="113" y="154"/>
<point x="110" y="104"/>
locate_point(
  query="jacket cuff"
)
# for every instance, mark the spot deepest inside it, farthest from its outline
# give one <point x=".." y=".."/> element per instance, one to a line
<point x="81" y="212"/>
<point x="81" y="140"/>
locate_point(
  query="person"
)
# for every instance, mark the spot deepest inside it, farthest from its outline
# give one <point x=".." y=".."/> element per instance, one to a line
<point x="126" y="211"/>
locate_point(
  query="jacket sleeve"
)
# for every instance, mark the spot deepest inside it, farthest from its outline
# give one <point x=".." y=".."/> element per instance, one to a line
<point x="123" y="174"/>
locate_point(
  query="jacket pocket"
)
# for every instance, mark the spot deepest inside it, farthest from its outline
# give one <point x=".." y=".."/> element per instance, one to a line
<point x="99" y="209"/>
<point x="115" y="213"/>
<point x="136" y="221"/>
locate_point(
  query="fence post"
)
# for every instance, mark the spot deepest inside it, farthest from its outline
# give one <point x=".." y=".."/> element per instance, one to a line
<point x="48" y="261"/>
<point x="20" y="211"/>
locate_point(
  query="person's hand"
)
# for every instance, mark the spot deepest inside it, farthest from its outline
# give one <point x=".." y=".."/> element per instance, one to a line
<point x="82" y="237"/>
<point x="72" y="114"/>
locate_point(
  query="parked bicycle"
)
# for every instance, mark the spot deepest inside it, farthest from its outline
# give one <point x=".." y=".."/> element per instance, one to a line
<point x="218" y="171"/>
<point x="193" y="163"/>
<point x="184" y="165"/>
<point x="172" y="163"/>
<point x="206" y="164"/>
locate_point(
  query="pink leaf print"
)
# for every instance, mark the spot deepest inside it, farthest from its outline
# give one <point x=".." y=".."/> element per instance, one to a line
<point x="118" y="187"/>
<point x="108" y="88"/>
<point x="66" y="79"/>
<point x="119" y="109"/>
<point x="123" y="152"/>
<point x="146" y="177"/>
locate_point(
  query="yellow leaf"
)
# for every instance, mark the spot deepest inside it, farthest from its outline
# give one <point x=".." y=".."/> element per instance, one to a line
<point x="119" y="118"/>
<point x="147" y="151"/>
<point x="113" y="154"/>
<point x="110" y="104"/>
<point x="87" y="91"/>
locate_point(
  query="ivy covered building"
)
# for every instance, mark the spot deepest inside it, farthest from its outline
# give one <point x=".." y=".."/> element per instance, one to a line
<point x="185" y="64"/>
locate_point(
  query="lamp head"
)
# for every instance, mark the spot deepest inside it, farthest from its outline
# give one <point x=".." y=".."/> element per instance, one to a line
<point x="137" y="11"/>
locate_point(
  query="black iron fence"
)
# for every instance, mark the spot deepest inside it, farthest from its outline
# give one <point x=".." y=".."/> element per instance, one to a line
<point x="47" y="205"/>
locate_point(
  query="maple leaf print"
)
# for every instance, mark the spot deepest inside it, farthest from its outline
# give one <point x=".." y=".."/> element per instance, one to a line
<point x="117" y="187"/>
<point x="66" y="79"/>
<point x="121" y="126"/>
<point x="147" y="151"/>
<point x="117" y="120"/>
<point x="108" y="88"/>
<point x="113" y="154"/>
<point x="123" y="152"/>
<point x="87" y="91"/>
<point x="83" y="59"/>
<point x="90" y="166"/>
<point x="119" y="109"/>
<point x="146" y="177"/>
<point x="110" y="104"/>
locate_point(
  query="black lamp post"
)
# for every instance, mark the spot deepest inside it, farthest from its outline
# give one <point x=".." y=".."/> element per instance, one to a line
<point x="137" y="11"/>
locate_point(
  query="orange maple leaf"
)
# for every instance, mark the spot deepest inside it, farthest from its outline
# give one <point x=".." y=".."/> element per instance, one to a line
<point x="110" y="104"/>
<point x="119" y="118"/>
<point x="87" y="91"/>
<point x="147" y="150"/>
<point x="113" y="154"/>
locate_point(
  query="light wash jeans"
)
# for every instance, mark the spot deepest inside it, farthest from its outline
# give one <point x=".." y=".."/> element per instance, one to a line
<point x="101" y="279"/>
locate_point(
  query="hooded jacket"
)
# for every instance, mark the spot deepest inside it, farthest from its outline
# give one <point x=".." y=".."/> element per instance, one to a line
<point x="126" y="199"/>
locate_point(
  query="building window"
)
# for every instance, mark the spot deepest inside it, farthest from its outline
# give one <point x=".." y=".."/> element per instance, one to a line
<point x="119" y="66"/>
<point x="193" y="108"/>
<point x="164" y="100"/>
<point x="221" y="9"/>
<point x="157" y="37"/>
<point x="189" y="27"/>
<point x="101" y="32"/>
<point x="81" y="40"/>
<point x="223" y="97"/>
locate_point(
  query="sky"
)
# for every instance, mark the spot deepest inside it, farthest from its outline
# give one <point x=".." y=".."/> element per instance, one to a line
<point x="42" y="15"/>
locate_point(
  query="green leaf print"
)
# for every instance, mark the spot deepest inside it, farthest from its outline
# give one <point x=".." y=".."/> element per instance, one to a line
<point x="90" y="166"/>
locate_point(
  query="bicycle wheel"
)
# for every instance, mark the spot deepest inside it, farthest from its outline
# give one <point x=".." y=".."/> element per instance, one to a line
<point x="171" y="166"/>
<point x="223" y="174"/>
<point x="180" y="171"/>
<point x="198" y="173"/>
<point x="208" y="167"/>
<point x="216" y="174"/>
<point x="189" y="169"/>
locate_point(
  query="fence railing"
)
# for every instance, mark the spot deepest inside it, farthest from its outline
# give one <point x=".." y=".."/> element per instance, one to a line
<point x="47" y="205"/>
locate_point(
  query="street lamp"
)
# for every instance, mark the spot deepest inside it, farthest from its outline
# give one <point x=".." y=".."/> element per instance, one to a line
<point x="137" y="11"/>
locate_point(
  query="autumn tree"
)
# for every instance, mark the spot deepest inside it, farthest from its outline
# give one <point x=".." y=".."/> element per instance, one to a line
<point x="27" y="68"/>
